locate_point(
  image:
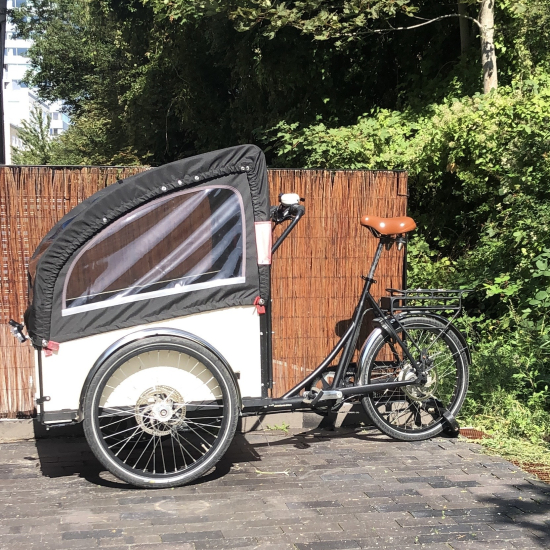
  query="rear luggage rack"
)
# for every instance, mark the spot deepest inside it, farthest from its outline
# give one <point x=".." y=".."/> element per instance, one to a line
<point x="423" y="299"/>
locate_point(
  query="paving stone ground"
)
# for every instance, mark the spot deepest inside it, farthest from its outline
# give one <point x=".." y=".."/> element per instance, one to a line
<point x="315" y="490"/>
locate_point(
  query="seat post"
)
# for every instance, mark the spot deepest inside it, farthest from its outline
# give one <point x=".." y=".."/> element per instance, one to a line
<point x="375" y="260"/>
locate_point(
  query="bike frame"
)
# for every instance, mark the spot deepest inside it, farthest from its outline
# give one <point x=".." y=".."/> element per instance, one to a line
<point x="349" y="340"/>
<point x="347" y="344"/>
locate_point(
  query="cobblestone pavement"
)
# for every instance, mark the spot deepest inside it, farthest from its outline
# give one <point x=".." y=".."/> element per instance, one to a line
<point x="315" y="490"/>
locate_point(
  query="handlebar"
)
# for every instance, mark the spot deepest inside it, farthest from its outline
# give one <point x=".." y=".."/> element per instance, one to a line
<point x="284" y="212"/>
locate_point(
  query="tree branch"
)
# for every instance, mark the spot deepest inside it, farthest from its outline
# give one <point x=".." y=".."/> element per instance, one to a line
<point x="427" y="22"/>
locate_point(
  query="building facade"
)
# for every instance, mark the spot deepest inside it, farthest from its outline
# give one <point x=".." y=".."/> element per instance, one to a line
<point x="19" y="100"/>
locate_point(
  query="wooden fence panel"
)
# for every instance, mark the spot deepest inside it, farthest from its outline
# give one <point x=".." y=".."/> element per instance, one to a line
<point x="316" y="272"/>
<point x="316" y="276"/>
<point x="32" y="200"/>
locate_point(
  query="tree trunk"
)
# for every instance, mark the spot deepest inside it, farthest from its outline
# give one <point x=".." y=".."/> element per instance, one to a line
<point x="464" y="27"/>
<point x="488" y="55"/>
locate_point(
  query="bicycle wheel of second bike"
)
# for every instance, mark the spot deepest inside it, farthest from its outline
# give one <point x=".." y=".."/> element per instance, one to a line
<point x="161" y="412"/>
<point x="414" y="413"/>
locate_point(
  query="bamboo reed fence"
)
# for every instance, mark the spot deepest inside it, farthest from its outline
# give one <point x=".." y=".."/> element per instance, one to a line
<point x="316" y="272"/>
<point x="316" y="276"/>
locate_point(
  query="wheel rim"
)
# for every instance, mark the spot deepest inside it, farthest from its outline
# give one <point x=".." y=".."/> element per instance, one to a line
<point x="417" y="408"/>
<point x="161" y="413"/>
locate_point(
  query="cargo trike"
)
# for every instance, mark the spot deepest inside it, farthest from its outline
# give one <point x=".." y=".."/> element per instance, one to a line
<point x="149" y="311"/>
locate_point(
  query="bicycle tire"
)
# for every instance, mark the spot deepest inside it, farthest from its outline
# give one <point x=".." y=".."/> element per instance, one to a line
<point x="161" y="412"/>
<point x="414" y="413"/>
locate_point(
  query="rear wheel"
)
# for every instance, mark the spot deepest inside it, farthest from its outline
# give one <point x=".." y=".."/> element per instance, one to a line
<point x="161" y="412"/>
<point x="414" y="412"/>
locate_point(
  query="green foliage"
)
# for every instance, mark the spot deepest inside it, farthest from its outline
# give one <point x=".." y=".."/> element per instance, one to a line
<point x="89" y="142"/>
<point x="479" y="169"/>
<point x="161" y="80"/>
<point x="520" y="450"/>
<point x="283" y="427"/>
<point x="117" y="73"/>
<point x="37" y="148"/>
<point x="322" y="19"/>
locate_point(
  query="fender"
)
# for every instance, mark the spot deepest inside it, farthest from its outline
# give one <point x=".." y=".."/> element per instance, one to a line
<point x="451" y="328"/>
<point x="367" y="346"/>
<point x="148" y="333"/>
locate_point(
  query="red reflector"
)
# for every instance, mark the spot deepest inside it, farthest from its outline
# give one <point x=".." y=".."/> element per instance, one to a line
<point x="259" y="303"/>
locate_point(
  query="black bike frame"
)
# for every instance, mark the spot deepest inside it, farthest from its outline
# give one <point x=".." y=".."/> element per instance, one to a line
<point x="334" y="395"/>
<point x="349" y="340"/>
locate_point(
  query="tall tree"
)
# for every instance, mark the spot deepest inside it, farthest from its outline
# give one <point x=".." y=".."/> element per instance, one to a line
<point x="38" y="147"/>
<point x="342" y="21"/>
<point x="488" y="55"/>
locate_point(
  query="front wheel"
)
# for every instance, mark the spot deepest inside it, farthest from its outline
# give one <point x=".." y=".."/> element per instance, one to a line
<point x="413" y="413"/>
<point x="161" y="412"/>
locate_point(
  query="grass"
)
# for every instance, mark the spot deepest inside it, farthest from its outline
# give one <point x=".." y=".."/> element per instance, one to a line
<point x="283" y="427"/>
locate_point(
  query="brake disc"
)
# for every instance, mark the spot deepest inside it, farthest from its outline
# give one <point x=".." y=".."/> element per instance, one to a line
<point x="418" y="392"/>
<point x="159" y="410"/>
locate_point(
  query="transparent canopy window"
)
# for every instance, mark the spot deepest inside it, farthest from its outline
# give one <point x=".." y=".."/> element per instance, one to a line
<point x="187" y="241"/>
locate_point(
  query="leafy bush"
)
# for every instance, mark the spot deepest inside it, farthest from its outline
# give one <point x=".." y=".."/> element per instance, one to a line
<point x="479" y="168"/>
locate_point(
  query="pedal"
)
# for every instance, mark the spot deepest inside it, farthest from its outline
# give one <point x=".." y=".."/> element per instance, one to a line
<point x="450" y="425"/>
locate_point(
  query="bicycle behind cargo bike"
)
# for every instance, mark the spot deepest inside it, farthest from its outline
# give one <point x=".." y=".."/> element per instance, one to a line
<point x="149" y="310"/>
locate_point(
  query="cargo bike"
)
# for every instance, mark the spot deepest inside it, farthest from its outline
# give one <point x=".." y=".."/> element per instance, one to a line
<point x="149" y="311"/>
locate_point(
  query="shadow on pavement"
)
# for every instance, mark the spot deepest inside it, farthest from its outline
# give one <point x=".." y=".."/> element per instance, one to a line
<point x="70" y="456"/>
<point x="530" y="511"/>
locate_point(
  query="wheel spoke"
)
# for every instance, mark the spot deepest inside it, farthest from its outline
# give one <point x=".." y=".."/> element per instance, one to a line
<point x="416" y="409"/>
<point x="127" y="441"/>
<point x="132" y="449"/>
<point x="190" y="421"/>
<point x="162" y="455"/>
<point x="174" y="454"/>
<point x="118" y="433"/>
<point x="156" y="412"/>
<point x="143" y="452"/>
<point x="152" y="455"/>
<point x="187" y="441"/>
<point x="180" y="438"/>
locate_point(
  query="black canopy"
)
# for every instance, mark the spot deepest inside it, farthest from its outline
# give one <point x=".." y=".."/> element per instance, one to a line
<point x="168" y="242"/>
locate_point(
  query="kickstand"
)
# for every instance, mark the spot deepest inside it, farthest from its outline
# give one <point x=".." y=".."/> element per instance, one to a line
<point x="328" y="422"/>
<point x="450" y="425"/>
